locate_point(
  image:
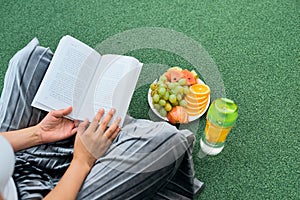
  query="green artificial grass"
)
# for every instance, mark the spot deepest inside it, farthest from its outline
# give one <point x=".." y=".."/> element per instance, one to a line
<point x="255" y="46"/>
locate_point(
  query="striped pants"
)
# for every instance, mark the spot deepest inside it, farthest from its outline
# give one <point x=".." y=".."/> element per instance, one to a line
<point x="148" y="160"/>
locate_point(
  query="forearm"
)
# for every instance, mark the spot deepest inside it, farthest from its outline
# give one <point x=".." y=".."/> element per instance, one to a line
<point x="23" y="138"/>
<point x="70" y="184"/>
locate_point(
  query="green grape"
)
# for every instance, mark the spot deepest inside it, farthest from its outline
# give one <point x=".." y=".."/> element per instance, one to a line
<point x="163" y="85"/>
<point x="183" y="103"/>
<point x="157" y="106"/>
<point x="175" y="103"/>
<point x="162" y="102"/>
<point x="179" y="97"/>
<point x="163" y="112"/>
<point x="179" y="89"/>
<point x="186" y="90"/>
<point x="167" y="84"/>
<point x="182" y="81"/>
<point x="176" y="84"/>
<point x="155" y="98"/>
<point x="171" y="85"/>
<point x="163" y="78"/>
<point x="172" y="98"/>
<point x="153" y="86"/>
<point x="161" y="91"/>
<point x="153" y="93"/>
<point x="168" y="107"/>
<point x="174" y="91"/>
<point x="166" y="96"/>
<point x="160" y="83"/>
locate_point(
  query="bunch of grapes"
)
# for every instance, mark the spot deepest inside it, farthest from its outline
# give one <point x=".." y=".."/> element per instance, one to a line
<point x="166" y="95"/>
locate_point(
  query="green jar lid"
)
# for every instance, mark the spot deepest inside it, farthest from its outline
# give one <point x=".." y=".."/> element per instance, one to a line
<point x="223" y="112"/>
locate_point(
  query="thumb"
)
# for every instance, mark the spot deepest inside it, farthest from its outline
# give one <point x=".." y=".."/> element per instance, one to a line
<point x="62" y="112"/>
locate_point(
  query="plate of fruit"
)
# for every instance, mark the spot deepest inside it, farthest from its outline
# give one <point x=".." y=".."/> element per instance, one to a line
<point x="179" y="96"/>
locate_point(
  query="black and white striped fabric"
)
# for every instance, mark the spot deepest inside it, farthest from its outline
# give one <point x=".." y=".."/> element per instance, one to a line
<point x="148" y="160"/>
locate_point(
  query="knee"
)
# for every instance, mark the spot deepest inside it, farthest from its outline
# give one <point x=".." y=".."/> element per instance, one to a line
<point x="147" y="146"/>
<point x="29" y="59"/>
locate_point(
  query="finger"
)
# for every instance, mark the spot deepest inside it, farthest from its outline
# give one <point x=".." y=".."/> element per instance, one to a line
<point x="106" y="120"/>
<point x="76" y="122"/>
<point x="69" y="134"/>
<point x="115" y="134"/>
<point x="82" y="126"/>
<point x="93" y="126"/>
<point x="62" y="112"/>
<point x="111" y="130"/>
<point x="74" y="130"/>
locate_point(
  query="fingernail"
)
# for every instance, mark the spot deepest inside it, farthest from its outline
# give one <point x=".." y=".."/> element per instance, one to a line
<point x="113" y="110"/>
<point x="100" y="110"/>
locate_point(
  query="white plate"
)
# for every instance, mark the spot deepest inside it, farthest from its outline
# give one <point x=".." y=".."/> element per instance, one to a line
<point x="191" y="118"/>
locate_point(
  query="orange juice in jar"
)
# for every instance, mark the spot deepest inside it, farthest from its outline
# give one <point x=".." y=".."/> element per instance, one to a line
<point x="221" y="117"/>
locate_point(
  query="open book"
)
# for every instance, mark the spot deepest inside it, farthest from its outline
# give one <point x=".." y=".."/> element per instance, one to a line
<point x="81" y="77"/>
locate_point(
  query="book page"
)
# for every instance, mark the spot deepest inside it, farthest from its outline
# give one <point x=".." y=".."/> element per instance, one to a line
<point x="113" y="85"/>
<point x="78" y="76"/>
<point x="62" y="86"/>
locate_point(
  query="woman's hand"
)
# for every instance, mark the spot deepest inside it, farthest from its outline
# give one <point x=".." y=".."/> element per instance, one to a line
<point x="55" y="127"/>
<point x="93" y="140"/>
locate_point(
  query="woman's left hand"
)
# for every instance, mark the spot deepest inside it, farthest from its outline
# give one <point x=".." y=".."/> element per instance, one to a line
<point x="55" y="126"/>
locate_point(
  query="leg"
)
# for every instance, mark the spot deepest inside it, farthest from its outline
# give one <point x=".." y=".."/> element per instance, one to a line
<point x="24" y="74"/>
<point x="39" y="168"/>
<point x="144" y="160"/>
<point x="141" y="164"/>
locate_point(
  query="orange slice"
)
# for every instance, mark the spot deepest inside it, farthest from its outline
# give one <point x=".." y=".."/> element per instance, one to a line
<point x="199" y="89"/>
<point x="195" y="100"/>
<point x="197" y="112"/>
<point x="195" y="109"/>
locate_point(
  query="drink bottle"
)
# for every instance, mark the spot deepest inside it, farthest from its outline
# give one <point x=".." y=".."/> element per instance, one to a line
<point x="220" y="119"/>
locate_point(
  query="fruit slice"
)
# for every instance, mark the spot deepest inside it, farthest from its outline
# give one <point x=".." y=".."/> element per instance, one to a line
<point x="194" y="113"/>
<point x="195" y="109"/>
<point x="174" y="74"/>
<point x="178" y="115"/>
<point x="197" y="99"/>
<point x="189" y="77"/>
<point x="199" y="89"/>
<point x="196" y="103"/>
<point x="194" y="99"/>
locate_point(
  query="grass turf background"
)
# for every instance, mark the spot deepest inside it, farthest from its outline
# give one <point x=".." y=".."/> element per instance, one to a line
<point x="256" y="48"/>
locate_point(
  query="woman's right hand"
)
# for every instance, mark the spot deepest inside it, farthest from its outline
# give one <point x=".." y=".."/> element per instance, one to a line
<point x="93" y="140"/>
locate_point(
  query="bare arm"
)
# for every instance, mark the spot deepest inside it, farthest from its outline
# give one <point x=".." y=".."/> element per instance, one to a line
<point x="24" y="138"/>
<point x="69" y="185"/>
<point x="53" y="127"/>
